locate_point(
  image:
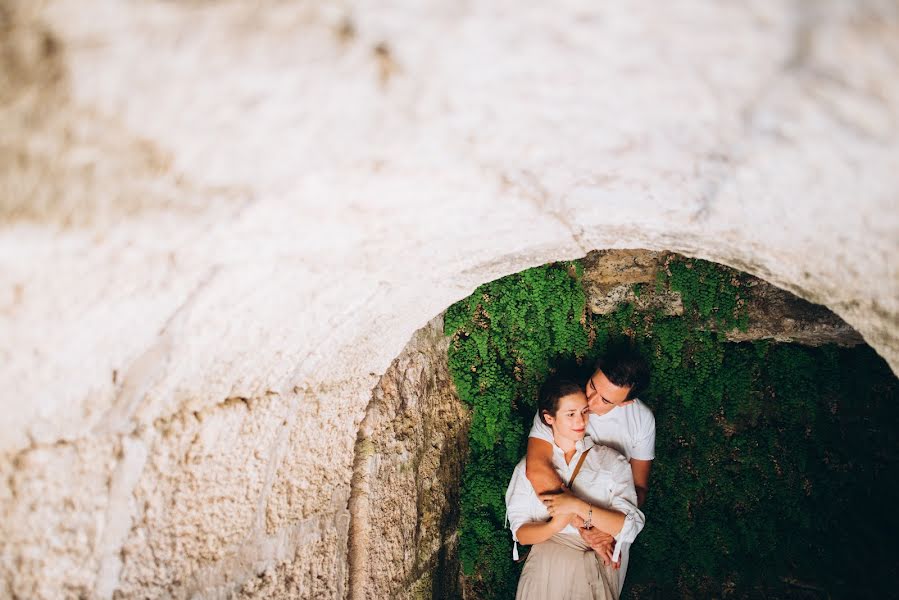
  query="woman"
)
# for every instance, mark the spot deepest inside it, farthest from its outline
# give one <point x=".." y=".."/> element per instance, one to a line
<point x="560" y="564"/>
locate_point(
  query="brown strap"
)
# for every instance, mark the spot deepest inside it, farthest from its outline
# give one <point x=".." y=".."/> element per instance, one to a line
<point x="577" y="469"/>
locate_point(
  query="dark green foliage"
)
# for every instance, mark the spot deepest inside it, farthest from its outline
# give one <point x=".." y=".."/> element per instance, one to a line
<point x="775" y="464"/>
<point x="504" y="338"/>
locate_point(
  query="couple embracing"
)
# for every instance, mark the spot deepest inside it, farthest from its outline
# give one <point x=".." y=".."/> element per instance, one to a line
<point x="575" y="497"/>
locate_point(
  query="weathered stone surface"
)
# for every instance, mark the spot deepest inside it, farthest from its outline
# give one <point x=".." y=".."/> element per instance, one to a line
<point x="197" y="504"/>
<point x="775" y="314"/>
<point x="54" y="517"/>
<point x="610" y="277"/>
<point x="410" y="452"/>
<point x="779" y="315"/>
<point x="211" y="200"/>
<point x="313" y="572"/>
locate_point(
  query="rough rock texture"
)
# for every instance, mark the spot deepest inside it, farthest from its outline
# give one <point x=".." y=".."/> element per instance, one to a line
<point x="221" y="221"/>
<point x="409" y="457"/>
<point x="779" y="315"/>
<point x="403" y="509"/>
<point x="611" y="275"/>
<point x="60" y="507"/>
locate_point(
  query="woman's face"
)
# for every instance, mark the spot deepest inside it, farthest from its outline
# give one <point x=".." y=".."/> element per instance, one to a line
<point x="570" y="420"/>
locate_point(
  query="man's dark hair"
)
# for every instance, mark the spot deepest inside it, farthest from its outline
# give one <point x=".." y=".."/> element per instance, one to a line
<point x="554" y="389"/>
<point x="624" y="367"/>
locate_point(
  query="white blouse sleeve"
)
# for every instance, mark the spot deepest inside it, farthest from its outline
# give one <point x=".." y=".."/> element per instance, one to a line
<point x="519" y="501"/>
<point x="624" y="500"/>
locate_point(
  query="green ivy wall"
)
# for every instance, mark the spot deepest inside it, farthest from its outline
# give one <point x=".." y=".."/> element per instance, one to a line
<point x="776" y="463"/>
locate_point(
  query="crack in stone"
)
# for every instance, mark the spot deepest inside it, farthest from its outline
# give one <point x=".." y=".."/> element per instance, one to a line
<point x="151" y="365"/>
<point x="533" y="190"/>
<point x="307" y="366"/>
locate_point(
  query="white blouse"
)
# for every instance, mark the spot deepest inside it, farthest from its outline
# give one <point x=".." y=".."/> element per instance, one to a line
<point x="605" y="480"/>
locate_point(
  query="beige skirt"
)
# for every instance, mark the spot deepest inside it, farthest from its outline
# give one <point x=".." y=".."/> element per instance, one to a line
<point x="564" y="568"/>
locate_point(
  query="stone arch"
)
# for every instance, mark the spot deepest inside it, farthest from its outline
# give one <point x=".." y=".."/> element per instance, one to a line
<point x="188" y="309"/>
<point x="415" y="397"/>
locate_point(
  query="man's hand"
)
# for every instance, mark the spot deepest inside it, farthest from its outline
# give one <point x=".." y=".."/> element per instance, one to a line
<point x="602" y="543"/>
<point x="595" y="537"/>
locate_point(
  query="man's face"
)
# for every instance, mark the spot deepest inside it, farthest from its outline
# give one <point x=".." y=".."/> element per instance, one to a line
<point x="603" y="395"/>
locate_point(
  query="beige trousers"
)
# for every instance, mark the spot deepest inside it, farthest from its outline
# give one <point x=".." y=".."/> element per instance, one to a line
<point x="565" y="568"/>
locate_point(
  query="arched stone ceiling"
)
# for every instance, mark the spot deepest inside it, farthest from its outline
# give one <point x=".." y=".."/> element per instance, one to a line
<point x="204" y="200"/>
<point x="265" y="197"/>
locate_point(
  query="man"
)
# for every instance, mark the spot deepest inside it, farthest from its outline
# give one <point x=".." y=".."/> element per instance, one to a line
<point x="618" y="420"/>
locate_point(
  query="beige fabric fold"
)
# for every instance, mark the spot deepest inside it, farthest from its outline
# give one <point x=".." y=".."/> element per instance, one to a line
<point x="565" y="568"/>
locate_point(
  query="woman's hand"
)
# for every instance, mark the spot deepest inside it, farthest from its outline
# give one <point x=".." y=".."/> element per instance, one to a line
<point x="564" y="503"/>
<point x="540" y="531"/>
<point x="560" y="522"/>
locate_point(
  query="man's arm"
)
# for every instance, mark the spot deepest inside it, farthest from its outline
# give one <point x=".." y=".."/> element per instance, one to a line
<point x="640" y="469"/>
<point x="539" y="468"/>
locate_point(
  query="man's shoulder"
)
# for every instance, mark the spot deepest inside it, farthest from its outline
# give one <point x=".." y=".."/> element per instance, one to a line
<point x="640" y="410"/>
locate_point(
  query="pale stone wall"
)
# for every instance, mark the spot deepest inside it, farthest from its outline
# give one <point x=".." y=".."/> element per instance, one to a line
<point x="220" y="222"/>
<point x="412" y="445"/>
<point x="403" y="509"/>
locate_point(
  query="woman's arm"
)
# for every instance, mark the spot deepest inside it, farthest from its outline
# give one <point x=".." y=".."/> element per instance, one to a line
<point x="536" y="532"/>
<point x="566" y="503"/>
<point x="529" y="522"/>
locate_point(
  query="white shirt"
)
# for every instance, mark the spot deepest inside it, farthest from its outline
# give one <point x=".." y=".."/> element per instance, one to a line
<point x="630" y="429"/>
<point x="605" y="480"/>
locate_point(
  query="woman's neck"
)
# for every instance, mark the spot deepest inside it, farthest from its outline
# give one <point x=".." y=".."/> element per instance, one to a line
<point x="567" y="446"/>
